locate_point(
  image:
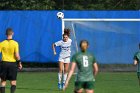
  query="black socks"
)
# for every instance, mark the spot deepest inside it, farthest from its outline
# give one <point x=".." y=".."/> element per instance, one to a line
<point x="13" y="88"/>
<point x="2" y="89"/>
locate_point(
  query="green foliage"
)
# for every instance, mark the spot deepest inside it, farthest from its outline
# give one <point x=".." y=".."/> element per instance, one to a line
<point x="27" y="4"/>
<point x="69" y="4"/>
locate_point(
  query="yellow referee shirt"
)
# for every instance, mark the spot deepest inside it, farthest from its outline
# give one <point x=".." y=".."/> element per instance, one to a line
<point x="8" y="48"/>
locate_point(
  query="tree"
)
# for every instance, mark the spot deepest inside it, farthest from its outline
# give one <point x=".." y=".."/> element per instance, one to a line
<point x="70" y="4"/>
<point x="27" y="4"/>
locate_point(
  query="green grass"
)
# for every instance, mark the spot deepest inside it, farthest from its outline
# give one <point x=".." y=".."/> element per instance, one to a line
<point x="105" y="83"/>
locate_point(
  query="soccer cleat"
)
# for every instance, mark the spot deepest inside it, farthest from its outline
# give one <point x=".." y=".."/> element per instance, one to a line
<point x="59" y="86"/>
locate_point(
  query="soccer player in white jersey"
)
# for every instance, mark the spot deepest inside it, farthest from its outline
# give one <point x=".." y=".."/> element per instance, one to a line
<point x="64" y="57"/>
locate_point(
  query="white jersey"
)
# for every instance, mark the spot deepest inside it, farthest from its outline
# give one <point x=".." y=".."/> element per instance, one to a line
<point x="65" y="48"/>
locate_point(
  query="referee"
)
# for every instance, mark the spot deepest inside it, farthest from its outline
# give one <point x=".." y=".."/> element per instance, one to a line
<point x="10" y="61"/>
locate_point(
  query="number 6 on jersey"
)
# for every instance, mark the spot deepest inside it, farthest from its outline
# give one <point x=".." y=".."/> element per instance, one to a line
<point x="85" y="61"/>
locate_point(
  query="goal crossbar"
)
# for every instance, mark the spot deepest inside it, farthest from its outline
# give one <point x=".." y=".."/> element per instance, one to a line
<point x="65" y="19"/>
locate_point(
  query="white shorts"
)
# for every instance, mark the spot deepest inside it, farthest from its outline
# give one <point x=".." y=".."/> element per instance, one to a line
<point x="64" y="60"/>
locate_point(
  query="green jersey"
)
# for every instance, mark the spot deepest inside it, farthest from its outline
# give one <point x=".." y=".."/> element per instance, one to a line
<point x="84" y="61"/>
<point x="137" y="57"/>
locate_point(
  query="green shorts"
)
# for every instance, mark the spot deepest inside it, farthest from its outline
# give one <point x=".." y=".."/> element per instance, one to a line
<point x="138" y="74"/>
<point x="84" y="85"/>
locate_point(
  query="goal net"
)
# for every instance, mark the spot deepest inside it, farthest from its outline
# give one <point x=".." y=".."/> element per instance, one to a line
<point x="112" y="41"/>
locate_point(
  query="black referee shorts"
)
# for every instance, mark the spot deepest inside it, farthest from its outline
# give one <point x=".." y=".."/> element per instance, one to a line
<point x="9" y="71"/>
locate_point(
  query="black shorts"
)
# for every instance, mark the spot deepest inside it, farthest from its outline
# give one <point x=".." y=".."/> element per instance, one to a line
<point x="9" y="71"/>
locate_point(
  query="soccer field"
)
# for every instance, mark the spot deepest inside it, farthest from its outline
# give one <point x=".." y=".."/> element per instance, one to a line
<point x="106" y="82"/>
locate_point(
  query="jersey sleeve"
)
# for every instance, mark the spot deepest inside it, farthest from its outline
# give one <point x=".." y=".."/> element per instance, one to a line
<point x="16" y="48"/>
<point x="59" y="43"/>
<point x="70" y="40"/>
<point x="135" y="56"/>
<point x="74" y="58"/>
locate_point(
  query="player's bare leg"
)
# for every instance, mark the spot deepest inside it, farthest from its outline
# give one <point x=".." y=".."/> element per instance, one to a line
<point x="13" y="86"/>
<point x="78" y="91"/>
<point x="66" y="68"/>
<point x="61" y="64"/>
<point x="89" y="91"/>
<point x="3" y="84"/>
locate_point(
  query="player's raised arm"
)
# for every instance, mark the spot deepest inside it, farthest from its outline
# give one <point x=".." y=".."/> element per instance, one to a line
<point x="95" y="66"/>
<point x="53" y="47"/>
<point x="70" y="74"/>
<point x="17" y="56"/>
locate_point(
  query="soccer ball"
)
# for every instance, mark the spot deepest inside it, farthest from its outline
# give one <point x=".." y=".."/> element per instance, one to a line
<point x="60" y="15"/>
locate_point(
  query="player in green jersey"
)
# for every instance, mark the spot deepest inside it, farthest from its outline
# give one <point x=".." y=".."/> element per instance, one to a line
<point x="87" y="70"/>
<point x="137" y="62"/>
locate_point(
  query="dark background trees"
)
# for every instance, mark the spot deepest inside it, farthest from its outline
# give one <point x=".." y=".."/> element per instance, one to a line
<point x="70" y="4"/>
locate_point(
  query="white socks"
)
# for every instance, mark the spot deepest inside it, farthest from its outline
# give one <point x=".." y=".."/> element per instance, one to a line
<point x="65" y="77"/>
<point x="60" y="77"/>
